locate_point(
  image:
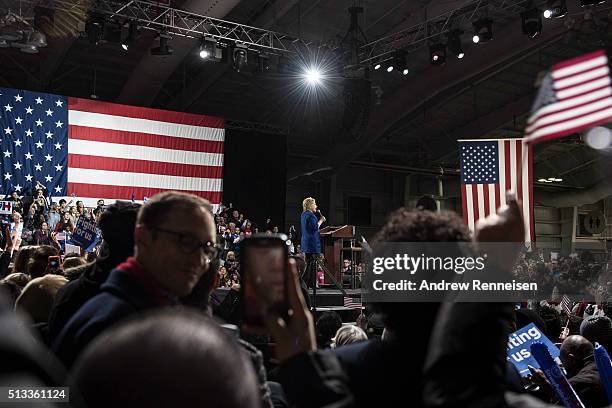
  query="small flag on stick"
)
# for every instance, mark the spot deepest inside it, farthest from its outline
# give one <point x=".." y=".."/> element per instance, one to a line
<point x="574" y="96"/>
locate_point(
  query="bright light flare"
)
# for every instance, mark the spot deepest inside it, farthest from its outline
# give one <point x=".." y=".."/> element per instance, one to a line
<point x="313" y="76"/>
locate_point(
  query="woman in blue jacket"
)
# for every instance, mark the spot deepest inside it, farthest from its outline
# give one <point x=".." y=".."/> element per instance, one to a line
<point x="311" y="244"/>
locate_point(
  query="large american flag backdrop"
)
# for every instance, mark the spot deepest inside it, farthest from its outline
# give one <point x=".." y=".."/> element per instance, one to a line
<point x="489" y="168"/>
<point x="98" y="150"/>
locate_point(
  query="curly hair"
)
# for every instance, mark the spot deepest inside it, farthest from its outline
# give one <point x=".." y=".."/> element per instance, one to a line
<point x="405" y="225"/>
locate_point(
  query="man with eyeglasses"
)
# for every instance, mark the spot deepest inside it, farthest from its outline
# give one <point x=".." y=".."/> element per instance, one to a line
<point x="173" y="247"/>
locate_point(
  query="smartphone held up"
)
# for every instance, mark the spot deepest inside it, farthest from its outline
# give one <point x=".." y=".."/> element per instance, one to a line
<point x="264" y="279"/>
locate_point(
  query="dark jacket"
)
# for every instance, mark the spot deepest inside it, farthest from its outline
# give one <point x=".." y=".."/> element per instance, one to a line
<point x="315" y="380"/>
<point x="73" y="295"/>
<point x="311" y="243"/>
<point x="587" y="385"/>
<point x="121" y="295"/>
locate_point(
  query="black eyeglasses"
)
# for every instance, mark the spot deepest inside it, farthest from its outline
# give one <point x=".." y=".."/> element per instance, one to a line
<point x="188" y="244"/>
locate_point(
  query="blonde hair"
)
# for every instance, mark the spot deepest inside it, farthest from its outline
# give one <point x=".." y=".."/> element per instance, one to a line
<point x="308" y="203"/>
<point x="37" y="297"/>
<point x="348" y="334"/>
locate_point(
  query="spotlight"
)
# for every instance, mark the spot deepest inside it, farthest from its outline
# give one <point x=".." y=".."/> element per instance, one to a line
<point x="555" y="9"/>
<point x="437" y="54"/>
<point x="130" y="36"/>
<point x="164" y="48"/>
<point x="405" y="71"/>
<point x="531" y="22"/>
<point x="483" y="30"/>
<point x="377" y="66"/>
<point x="454" y="43"/>
<point x="313" y="76"/>
<point x="240" y="57"/>
<point x="399" y="61"/>
<point x="207" y="48"/>
<point x="584" y="3"/>
<point x="94" y="28"/>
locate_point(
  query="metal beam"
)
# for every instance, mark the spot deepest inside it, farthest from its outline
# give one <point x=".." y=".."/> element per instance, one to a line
<point x="208" y="75"/>
<point x="152" y="72"/>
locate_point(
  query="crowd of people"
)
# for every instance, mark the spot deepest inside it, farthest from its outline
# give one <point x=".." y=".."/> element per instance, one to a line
<point x="133" y="324"/>
<point x="578" y="278"/>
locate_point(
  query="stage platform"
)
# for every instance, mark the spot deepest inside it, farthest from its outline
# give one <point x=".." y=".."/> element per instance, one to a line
<point x="332" y="299"/>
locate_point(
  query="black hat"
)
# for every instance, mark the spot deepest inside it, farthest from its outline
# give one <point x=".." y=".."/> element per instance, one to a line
<point x="117" y="224"/>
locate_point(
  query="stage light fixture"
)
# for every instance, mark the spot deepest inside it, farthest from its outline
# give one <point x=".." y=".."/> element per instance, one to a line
<point x="240" y="57"/>
<point x="555" y="9"/>
<point x="207" y="48"/>
<point x="130" y="36"/>
<point x="531" y="22"/>
<point x="377" y="66"/>
<point x="454" y="43"/>
<point x="94" y="28"/>
<point x="399" y="61"/>
<point x="437" y="54"/>
<point x="164" y="48"/>
<point x="405" y="71"/>
<point x="483" y="30"/>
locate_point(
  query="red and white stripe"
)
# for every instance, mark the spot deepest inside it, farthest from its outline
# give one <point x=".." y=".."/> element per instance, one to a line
<point x="584" y="99"/>
<point x="515" y="174"/>
<point x="116" y="150"/>
<point x="350" y="303"/>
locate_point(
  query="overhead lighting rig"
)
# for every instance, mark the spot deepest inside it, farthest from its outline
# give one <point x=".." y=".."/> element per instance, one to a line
<point x="179" y="23"/>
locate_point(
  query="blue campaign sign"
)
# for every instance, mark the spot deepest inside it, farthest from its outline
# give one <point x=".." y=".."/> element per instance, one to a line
<point x="85" y="232"/>
<point x="519" y="348"/>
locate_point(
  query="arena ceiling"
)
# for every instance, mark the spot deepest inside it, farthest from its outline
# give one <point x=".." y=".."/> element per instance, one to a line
<point x="414" y="120"/>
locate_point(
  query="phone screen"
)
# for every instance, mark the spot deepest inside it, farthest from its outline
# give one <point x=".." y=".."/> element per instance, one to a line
<point x="264" y="269"/>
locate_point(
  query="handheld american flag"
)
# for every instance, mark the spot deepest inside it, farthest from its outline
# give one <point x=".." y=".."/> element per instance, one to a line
<point x="489" y="168"/>
<point x="566" y="304"/>
<point x="575" y="95"/>
<point x="98" y="150"/>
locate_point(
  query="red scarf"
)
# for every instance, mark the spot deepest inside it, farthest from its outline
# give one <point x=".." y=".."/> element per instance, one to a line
<point x="158" y="294"/>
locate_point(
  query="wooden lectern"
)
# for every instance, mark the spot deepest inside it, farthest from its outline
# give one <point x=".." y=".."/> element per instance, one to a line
<point x="331" y="241"/>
